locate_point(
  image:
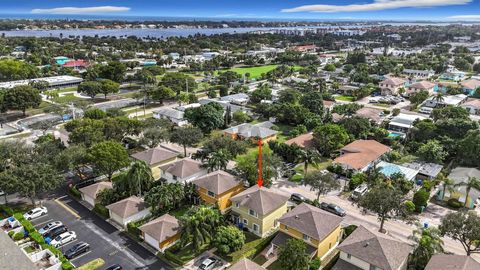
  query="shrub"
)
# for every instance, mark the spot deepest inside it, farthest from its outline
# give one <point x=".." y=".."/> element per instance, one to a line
<point x="420" y="199"/>
<point x="18" y="236"/>
<point x="172" y="257"/>
<point x="428" y="185"/>
<point x="229" y="239"/>
<point x="410" y="206"/>
<point x="7" y="210"/>
<point x="11" y="233"/>
<point x="454" y="203"/>
<point x="315" y="264"/>
<point x="356" y="180"/>
<point x="101" y="210"/>
<point x="349" y="230"/>
<point x="37" y="237"/>
<point x="28" y="227"/>
<point x="395" y="111"/>
<point x="75" y="193"/>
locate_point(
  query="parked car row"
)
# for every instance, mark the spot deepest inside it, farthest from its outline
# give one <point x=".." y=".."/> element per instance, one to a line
<point x="387" y="99"/>
<point x="329" y="207"/>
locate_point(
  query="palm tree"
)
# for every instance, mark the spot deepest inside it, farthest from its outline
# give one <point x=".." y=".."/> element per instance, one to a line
<point x="139" y="177"/>
<point x="199" y="225"/>
<point x="218" y="160"/>
<point x="472" y="182"/>
<point x="428" y="242"/>
<point x="447" y="185"/>
<point x="439" y="98"/>
<point x="308" y="157"/>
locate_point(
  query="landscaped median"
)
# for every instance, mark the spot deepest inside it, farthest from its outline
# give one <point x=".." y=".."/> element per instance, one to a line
<point x="27" y="238"/>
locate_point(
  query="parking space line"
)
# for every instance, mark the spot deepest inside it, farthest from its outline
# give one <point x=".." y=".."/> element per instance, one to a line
<point x="38" y="218"/>
<point x="75" y="214"/>
<point x="43" y="222"/>
<point x="66" y="244"/>
<point x="81" y="255"/>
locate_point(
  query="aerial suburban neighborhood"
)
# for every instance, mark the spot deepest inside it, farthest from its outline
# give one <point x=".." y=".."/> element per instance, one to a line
<point x="239" y="143"/>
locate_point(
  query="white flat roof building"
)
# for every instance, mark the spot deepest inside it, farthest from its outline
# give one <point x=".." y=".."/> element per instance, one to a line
<point x="53" y="82"/>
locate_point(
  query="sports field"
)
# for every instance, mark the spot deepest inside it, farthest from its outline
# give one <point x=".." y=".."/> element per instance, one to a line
<point x="256" y="72"/>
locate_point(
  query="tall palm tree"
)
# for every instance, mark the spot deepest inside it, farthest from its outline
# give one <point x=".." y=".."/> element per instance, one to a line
<point x="308" y="157"/>
<point x="428" y="242"/>
<point x="439" y="98"/>
<point x="139" y="177"/>
<point x="447" y="185"/>
<point x="218" y="160"/>
<point x="472" y="182"/>
<point x="199" y="225"/>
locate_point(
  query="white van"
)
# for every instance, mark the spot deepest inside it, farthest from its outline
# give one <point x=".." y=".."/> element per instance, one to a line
<point x="359" y="191"/>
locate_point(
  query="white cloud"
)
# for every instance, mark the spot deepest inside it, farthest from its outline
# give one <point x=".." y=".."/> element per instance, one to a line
<point x="80" y="10"/>
<point x="377" y="5"/>
<point x="465" y="17"/>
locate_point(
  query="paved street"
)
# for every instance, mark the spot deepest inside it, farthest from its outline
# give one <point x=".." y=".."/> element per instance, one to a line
<point x="397" y="229"/>
<point x="105" y="241"/>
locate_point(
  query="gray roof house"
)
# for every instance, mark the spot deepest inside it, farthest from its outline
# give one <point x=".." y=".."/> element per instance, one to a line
<point x="425" y="170"/>
<point x="246" y="130"/>
<point x="175" y="116"/>
<point x="461" y="175"/>
<point x="184" y="170"/>
<point x="364" y="249"/>
<point x="239" y="99"/>
<point x="246" y="264"/>
<point x="450" y="262"/>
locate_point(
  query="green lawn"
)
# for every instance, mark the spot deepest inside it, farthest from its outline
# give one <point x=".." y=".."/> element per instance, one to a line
<point x="253" y="246"/>
<point x="92" y="265"/>
<point x="256" y="72"/>
<point x="179" y="212"/>
<point x="67" y="98"/>
<point x="275" y="266"/>
<point x="188" y="253"/>
<point x="345" y="98"/>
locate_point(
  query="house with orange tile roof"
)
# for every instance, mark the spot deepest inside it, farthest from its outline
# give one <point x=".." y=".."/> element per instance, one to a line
<point x="421" y="86"/>
<point x="360" y="155"/>
<point x="390" y="86"/>
<point x="472" y="105"/>
<point x="303" y="141"/>
<point x="470" y="86"/>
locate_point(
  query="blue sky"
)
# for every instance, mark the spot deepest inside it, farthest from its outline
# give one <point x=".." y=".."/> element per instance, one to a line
<point x="230" y="9"/>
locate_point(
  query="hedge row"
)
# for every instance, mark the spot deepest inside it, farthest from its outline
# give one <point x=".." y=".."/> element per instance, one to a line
<point x="101" y="210"/>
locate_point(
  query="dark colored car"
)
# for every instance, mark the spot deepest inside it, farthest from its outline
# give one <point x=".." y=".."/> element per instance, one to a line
<point x="76" y="250"/>
<point x="333" y="208"/>
<point x="297" y="198"/>
<point x="56" y="232"/>
<point x="114" y="267"/>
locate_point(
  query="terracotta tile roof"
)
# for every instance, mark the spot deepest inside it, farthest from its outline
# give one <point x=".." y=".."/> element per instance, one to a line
<point x="328" y="103"/>
<point x="370" y="113"/>
<point x="92" y="190"/>
<point x="304" y="140"/>
<point x="217" y="182"/>
<point x="127" y="207"/>
<point x="360" y="153"/>
<point x="375" y="248"/>
<point x="161" y="228"/>
<point x="472" y="102"/>
<point x="423" y="85"/>
<point x="450" y="262"/>
<point x="183" y="168"/>
<point x="311" y="221"/>
<point x="262" y="200"/>
<point x="246" y="264"/>
<point x="393" y="81"/>
<point x="155" y="155"/>
<point x="471" y="84"/>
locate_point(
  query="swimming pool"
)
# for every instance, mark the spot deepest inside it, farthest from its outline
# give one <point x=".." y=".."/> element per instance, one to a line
<point x="393" y="134"/>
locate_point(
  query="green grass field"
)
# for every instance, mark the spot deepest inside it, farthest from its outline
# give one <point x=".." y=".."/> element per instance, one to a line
<point x="66" y="98"/>
<point x="256" y="72"/>
<point x="345" y="98"/>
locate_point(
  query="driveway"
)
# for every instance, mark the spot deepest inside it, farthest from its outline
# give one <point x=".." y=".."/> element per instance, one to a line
<point x="105" y="241"/>
<point x="195" y="263"/>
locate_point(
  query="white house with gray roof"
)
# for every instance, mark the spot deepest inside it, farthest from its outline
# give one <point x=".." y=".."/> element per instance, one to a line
<point x="175" y="116"/>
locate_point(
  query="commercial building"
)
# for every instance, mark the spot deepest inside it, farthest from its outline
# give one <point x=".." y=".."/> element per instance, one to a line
<point x="53" y="82"/>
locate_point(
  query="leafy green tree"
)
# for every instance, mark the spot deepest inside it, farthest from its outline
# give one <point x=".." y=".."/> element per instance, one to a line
<point x="386" y="202"/>
<point x="463" y="227"/>
<point x="308" y="156"/>
<point x="74" y="158"/>
<point x="294" y="255"/>
<point x="22" y="97"/>
<point x="432" y="151"/>
<point x="186" y="136"/>
<point x="40" y="85"/>
<point x="199" y="225"/>
<point x="119" y="128"/>
<point x="178" y="82"/>
<point x="114" y="71"/>
<point x="229" y="239"/>
<point x="206" y="117"/>
<point x="356" y="180"/>
<point x="418" y="97"/>
<point x="428" y="242"/>
<point x="313" y="101"/>
<point x="95" y="113"/>
<point x="32" y="179"/>
<point x="329" y="67"/>
<point x="263" y="92"/>
<point x="109" y="87"/>
<point x="108" y="157"/>
<point x="227" y="77"/>
<point x="347" y="109"/>
<point x="420" y="199"/>
<point x="152" y="137"/>
<point x="241" y="117"/>
<point x="218" y="160"/>
<point x="90" y="88"/>
<point x="85" y="131"/>
<point x="359" y="127"/>
<point x="11" y="70"/>
<point x="166" y="197"/>
<point x="247" y="167"/>
<point x="469" y="147"/>
<point x="225" y="143"/>
<point x="329" y="138"/>
<point x="321" y="182"/>
<point x="137" y="180"/>
<point x="472" y="182"/>
<point x="450" y="113"/>
<point x="289" y="96"/>
<point x="162" y="93"/>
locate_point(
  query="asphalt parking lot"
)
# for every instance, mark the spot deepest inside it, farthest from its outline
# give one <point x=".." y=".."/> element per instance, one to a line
<point x="105" y="240"/>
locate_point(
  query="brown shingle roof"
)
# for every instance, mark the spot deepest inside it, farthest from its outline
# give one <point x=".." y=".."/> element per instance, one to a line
<point x="450" y="262"/>
<point x="161" y="228"/>
<point x="154" y="155"/>
<point x="217" y="182"/>
<point x="304" y="140"/>
<point x="127" y="207"/>
<point x="311" y="221"/>
<point x="471" y="84"/>
<point x="328" y="103"/>
<point x="183" y="168"/>
<point x="375" y="248"/>
<point x="370" y="113"/>
<point x="92" y="190"/>
<point x="422" y="85"/>
<point x="393" y="81"/>
<point x="473" y="102"/>
<point x="360" y="153"/>
<point x="246" y="264"/>
<point x="261" y="200"/>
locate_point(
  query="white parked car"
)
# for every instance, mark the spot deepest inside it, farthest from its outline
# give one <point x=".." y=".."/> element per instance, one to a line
<point x="63" y="239"/>
<point x="35" y="212"/>
<point x="50" y="226"/>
